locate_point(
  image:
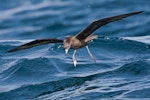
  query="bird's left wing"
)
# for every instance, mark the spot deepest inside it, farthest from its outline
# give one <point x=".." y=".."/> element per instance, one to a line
<point x="35" y="43"/>
<point x="101" y="22"/>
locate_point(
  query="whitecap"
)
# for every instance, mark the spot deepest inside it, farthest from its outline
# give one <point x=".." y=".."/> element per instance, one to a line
<point x="143" y="39"/>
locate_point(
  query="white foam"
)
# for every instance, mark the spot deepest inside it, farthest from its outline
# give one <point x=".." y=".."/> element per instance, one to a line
<point x="5" y="88"/>
<point x="7" y="65"/>
<point x="143" y="39"/>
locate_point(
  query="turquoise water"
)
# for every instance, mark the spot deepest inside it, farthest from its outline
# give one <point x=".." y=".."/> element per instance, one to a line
<point x="122" y="51"/>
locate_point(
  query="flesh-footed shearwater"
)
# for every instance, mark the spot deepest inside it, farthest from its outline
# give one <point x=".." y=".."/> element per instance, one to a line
<point x="78" y="41"/>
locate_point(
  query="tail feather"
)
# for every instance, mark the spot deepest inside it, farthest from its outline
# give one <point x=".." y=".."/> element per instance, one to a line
<point x="91" y="37"/>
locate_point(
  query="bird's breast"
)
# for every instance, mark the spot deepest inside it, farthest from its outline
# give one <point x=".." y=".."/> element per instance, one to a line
<point x="76" y="44"/>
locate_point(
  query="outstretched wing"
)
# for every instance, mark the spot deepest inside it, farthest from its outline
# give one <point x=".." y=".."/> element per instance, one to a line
<point x="98" y="23"/>
<point x="35" y="43"/>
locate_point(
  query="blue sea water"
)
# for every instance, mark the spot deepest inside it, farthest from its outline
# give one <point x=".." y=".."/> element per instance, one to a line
<point x="122" y="51"/>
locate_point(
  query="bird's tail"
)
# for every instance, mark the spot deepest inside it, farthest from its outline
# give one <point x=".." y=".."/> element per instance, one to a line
<point x="91" y="37"/>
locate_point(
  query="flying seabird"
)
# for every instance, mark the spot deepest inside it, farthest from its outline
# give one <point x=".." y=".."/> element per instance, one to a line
<point x="78" y="41"/>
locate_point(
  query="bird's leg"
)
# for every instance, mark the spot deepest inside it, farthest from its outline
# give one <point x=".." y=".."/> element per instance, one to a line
<point x="92" y="57"/>
<point x="74" y="59"/>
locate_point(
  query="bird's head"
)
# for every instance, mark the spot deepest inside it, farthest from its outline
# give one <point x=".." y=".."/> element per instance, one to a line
<point x="67" y="44"/>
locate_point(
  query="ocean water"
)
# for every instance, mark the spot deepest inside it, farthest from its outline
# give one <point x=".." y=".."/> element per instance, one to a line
<point x="122" y="51"/>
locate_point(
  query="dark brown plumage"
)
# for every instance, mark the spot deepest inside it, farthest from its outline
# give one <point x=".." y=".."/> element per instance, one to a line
<point x="78" y="41"/>
<point x="35" y="43"/>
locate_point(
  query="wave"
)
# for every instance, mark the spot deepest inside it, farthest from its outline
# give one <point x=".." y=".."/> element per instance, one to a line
<point x="134" y="68"/>
<point x="72" y="85"/>
<point x="28" y="6"/>
<point x="48" y="86"/>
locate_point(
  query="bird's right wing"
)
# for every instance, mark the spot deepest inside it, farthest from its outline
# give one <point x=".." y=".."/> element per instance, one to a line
<point x="35" y="43"/>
